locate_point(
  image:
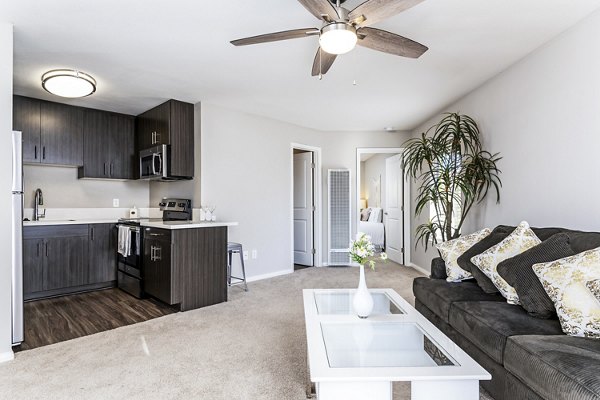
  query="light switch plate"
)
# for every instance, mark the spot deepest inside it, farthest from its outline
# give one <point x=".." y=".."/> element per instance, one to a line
<point x="254" y="254"/>
<point x="115" y="202"/>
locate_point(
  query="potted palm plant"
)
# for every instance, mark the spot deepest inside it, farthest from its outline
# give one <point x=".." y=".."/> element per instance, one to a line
<point x="453" y="173"/>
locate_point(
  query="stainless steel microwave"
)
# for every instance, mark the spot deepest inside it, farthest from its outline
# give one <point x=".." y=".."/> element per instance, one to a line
<point x="154" y="162"/>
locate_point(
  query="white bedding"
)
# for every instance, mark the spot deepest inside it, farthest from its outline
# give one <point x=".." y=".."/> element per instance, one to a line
<point x="373" y="229"/>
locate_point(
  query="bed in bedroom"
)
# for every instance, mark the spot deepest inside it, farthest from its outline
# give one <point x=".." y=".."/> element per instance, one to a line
<point x="373" y="227"/>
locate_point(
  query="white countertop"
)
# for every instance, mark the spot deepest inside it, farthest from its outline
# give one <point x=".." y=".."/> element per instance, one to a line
<point x="82" y="221"/>
<point x="150" y="224"/>
<point x="185" y="224"/>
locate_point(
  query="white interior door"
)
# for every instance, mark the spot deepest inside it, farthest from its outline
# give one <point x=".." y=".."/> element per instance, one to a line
<point x="394" y="228"/>
<point x="303" y="209"/>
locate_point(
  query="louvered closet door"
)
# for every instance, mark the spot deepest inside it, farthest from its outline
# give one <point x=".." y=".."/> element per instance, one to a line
<point x="339" y="216"/>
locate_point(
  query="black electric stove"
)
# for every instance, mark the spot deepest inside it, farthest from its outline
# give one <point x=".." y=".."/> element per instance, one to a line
<point x="130" y="266"/>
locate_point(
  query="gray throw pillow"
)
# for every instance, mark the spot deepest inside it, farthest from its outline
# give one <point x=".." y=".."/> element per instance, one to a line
<point x="464" y="261"/>
<point x="518" y="273"/>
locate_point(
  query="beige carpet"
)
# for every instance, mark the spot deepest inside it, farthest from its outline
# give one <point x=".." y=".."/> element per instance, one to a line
<point x="252" y="347"/>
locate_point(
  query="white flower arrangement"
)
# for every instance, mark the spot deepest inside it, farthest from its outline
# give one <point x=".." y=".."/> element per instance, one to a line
<point x="362" y="249"/>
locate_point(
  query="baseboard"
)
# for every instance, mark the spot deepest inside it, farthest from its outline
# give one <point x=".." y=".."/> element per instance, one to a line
<point x="269" y="275"/>
<point x="7" y="356"/>
<point x="420" y="269"/>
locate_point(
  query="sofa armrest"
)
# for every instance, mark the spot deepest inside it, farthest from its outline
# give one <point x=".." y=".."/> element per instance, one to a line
<point x="438" y="268"/>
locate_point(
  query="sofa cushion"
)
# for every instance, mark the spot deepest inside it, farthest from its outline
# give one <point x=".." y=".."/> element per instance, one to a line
<point x="565" y="282"/>
<point x="518" y="272"/>
<point x="519" y="241"/>
<point x="450" y="250"/>
<point x="438" y="268"/>
<point x="487" y="324"/>
<point x="465" y="263"/>
<point x="438" y="295"/>
<point x="556" y="367"/>
<point x="583" y="241"/>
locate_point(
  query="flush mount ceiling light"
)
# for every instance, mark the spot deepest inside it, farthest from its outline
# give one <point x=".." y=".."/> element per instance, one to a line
<point x="68" y="83"/>
<point x="338" y="38"/>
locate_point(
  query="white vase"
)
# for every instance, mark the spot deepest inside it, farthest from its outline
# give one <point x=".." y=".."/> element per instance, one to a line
<point x="363" y="301"/>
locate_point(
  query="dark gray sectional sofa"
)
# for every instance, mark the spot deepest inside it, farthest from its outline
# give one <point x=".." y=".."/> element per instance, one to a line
<point x="528" y="357"/>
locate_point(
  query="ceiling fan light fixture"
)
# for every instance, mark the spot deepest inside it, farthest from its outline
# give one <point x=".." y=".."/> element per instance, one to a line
<point x="68" y="83"/>
<point x="338" y="38"/>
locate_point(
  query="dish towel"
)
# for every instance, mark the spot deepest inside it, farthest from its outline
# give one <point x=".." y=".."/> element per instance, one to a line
<point x="124" y="245"/>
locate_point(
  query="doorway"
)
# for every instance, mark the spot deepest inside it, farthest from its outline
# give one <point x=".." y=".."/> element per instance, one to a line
<point x="305" y="206"/>
<point x="382" y="199"/>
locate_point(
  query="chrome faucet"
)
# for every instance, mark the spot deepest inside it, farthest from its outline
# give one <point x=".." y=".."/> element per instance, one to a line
<point x="39" y="201"/>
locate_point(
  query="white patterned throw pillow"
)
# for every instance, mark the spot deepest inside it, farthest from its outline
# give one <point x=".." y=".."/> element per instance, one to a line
<point x="520" y="240"/>
<point x="452" y="249"/>
<point x="594" y="287"/>
<point x="565" y="281"/>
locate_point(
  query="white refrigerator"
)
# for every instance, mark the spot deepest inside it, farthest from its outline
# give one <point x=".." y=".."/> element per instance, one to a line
<point x="17" y="239"/>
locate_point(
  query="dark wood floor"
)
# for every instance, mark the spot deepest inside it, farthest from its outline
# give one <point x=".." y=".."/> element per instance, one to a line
<point x="69" y="317"/>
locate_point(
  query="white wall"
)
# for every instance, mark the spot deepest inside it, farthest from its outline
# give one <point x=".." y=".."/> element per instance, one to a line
<point x="246" y="173"/>
<point x="62" y="189"/>
<point x="543" y="116"/>
<point x="6" y="68"/>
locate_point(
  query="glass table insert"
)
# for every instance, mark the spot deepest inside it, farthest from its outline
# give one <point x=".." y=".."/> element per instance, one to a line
<point x="381" y="344"/>
<point x="340" y="303"/>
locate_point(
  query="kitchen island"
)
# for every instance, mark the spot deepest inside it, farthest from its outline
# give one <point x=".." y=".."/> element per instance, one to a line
<point x="185" y="263"/>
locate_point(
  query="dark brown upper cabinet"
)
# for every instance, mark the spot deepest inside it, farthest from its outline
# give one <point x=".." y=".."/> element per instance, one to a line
<point x="170" y="123"/>
<point x="108" y="145"/>
<point x="52" y="132"/>
<point x="26" y="118"/>
<point x="61" y="129"/>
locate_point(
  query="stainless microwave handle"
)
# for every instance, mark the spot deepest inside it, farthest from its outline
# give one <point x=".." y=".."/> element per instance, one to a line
<point x="154" y="155"/>
<point x="160" y="162"/>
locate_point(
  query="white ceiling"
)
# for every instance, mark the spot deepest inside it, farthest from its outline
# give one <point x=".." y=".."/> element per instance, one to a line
<point x="145" y="51"/>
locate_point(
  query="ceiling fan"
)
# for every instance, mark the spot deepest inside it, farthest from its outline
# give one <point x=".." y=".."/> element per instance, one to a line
<point x="343" y="29"/>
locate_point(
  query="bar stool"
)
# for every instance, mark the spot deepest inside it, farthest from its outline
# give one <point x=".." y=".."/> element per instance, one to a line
<point x="232" y="248"/>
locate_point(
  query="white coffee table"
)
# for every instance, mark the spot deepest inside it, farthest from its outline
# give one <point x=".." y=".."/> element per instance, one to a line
<point x="352" y="358"/>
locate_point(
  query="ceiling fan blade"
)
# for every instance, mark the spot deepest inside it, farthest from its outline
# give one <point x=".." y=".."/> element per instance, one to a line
<point x="276" y="36"/>
<point x="323" y="61"/>
<point x="376" y="10"/>
<point x="318" y="8"/>
<point x="388" y="42"/>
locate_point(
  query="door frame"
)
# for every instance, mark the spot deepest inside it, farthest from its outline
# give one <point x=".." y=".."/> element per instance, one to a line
<point x="405" y="194"/>
<point x="318" y="198"/>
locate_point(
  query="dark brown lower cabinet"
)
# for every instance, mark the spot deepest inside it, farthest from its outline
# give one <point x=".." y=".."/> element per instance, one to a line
<point x="186" y="266"/>
<point x="65" y="262"/>
<point x="33" y="266"/>
<point x="161" y="276"/>
<point x="63" y="259"/>
<point x="103" y="253"/>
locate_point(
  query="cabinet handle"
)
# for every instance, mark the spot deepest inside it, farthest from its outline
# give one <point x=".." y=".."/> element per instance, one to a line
<point x="111" y="169"/>
<point x="44" y="152"/>
<point x="152" y="249"/>
<point x="35" y="152"/>
<point x="46" y="249"/>
<point x="92" y="234"/>
<point x="158" y="253"/>
<point x="38" y="249"/>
